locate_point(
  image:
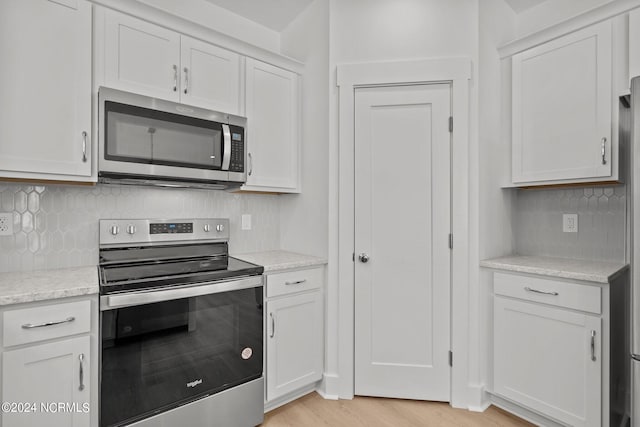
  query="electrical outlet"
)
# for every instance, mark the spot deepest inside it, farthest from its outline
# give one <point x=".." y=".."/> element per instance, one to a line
<point x="246" y="222"/>
<point x="6" y="224"/>
<point x="570" y="223"/>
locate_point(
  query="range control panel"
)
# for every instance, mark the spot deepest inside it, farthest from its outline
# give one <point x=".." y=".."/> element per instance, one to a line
<point x="170" y="227"/>
<point x="127" y="232"/>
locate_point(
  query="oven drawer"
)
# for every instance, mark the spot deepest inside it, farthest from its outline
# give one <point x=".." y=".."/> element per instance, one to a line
<point x="293" y="281"/>
<point x="46" y="322"/>
<point x="547" y="291"/>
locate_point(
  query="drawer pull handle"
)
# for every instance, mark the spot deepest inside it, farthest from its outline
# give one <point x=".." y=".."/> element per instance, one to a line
<point x="40" y="325"/>
<point x="297" y="282"/>
<point x="593" y="346"/>
<point x="81" y="358"/>
<point x="528" y="289"/>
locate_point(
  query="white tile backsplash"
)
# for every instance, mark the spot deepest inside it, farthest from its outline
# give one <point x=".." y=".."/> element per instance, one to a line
<point x="57" y="226"/>
<point x="601" y="223"/>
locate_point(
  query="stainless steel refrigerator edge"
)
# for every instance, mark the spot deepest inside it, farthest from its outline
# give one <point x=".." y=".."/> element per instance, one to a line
<point x="635" y="291"/>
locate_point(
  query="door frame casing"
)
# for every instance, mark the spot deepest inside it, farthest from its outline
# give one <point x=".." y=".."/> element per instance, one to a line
<point x="457" y="72"/>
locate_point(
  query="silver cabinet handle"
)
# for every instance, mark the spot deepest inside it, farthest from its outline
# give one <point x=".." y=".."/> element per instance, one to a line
<point x="81" y="358"/>
<point x="528" y="289"/>
<point x="273" y="326"/>
<point x="297" y="282"/>
<point x="603" y="144"/>
<point x="186" y="80"/>
<point x="593" y="346"/>
<point x="84" y="146"/>
<point x="175" y="78"/>
<point x="250" y="164"/>
<point x="40" y="325"/>
<point x="363" y="257"/>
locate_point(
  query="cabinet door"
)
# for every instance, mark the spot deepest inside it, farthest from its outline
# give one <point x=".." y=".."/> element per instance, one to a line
<point x="549" y="359"/>
<point x="562" y="98"/>
<point x="45" y="82"/>
<point x="294" y="343"/>
<point x="210" y="76"/>
<point x="634" y="43"/>
<point x="272" y="135"/>
<point x="141" y="57"/>
<point x="47" y="375"/>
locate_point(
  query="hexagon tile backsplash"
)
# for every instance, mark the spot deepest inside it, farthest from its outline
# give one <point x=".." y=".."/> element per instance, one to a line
<point x="57" y="226"/>
<point x="601" y="223"/>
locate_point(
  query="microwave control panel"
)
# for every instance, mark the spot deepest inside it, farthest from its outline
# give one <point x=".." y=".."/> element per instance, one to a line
<point x="237" y="150"/>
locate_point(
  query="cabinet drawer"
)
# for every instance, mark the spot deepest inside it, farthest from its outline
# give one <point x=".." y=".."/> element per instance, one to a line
<point x="293" y="281"/>
<point x="552" y="292"/>
<point x="46" y="322"/>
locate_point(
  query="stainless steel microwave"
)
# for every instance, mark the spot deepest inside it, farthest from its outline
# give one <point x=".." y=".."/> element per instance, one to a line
<point x="151" y="141"/>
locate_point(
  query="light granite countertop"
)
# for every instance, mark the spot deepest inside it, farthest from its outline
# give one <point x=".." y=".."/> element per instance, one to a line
<point x="280" y="260"/>
<point x="565" y="268"/>
<point x="40" y="285"/>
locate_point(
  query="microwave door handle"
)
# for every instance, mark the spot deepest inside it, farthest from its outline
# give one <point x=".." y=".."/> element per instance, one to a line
<point x="226" y="154"/>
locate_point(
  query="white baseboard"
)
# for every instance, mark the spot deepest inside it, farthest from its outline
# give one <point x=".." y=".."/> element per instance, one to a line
<point x="327" y="396"/>
<point x="271" y="405"/>
<point x="329" y="387"/>
<point x="525" y="414"/>
<point x="478" y="399"/>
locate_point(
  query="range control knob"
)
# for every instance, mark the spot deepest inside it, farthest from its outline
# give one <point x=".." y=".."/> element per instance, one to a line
<point x="115" y="230"/>
<point x="131" y="229"/>
<point x="207" y="228"/>
<point x="219" y="228"/>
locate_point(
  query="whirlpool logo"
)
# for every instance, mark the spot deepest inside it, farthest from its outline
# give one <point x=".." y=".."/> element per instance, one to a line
<point x="195" y="383"/>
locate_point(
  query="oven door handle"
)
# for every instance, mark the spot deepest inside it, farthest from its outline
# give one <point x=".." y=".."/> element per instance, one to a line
<point x="110" y="302"/>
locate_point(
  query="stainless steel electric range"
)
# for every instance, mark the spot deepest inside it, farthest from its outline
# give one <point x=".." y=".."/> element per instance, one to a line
<point x="181" y="326"/>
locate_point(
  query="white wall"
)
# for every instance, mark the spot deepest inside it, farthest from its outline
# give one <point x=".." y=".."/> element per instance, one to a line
<point x="383" y="30"/>
<point x="551" y="12"/>
<point x="304" y="217"/>
<point x="377" y="30"/>
<point x="222" y="20"/>
<point x="497" y="26"/>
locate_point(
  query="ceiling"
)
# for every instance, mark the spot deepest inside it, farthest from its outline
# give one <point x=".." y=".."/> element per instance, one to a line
<point x="273" y="14"/>
<point x="277" y="14"/>
<point x="522" y="5"/>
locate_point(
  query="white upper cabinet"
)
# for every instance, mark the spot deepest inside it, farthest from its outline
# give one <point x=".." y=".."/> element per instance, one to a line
<point x="144" y="58"/>
<point x="272" y="105"/>
<point x="45" y="82"/>
<point x="634" y="43"/>
<point x="141" y="57"/>
<point x="562" y="110"/>
<point x="210" y="76"/>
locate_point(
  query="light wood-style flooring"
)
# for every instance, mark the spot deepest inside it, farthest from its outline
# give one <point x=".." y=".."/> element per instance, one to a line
<point x="313" y="411"/>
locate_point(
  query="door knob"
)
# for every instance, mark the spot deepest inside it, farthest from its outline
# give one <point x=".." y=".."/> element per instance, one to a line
<point x="363" y="257"/>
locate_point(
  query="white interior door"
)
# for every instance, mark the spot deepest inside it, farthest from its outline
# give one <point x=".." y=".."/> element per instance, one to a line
<point x="402" y="223"/>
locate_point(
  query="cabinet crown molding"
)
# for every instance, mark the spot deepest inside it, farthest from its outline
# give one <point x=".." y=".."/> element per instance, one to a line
<point x="583" y="20"/>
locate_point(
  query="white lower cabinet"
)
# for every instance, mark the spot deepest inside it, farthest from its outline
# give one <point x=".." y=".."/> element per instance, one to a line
<point x="545" y="359"/>
<point x="294" y="332"/>
<point x="49" y="377"/>
<point x="549" y="347"/>
<point x="52" y="379"/>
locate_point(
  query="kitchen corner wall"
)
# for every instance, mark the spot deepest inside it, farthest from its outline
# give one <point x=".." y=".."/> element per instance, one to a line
<point x="57" y="226"/>
<point x="601" y="223"/>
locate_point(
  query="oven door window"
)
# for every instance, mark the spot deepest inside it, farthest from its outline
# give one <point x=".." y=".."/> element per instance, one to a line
<point x="162" y="355"/>
<point x="140" y="135"/>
